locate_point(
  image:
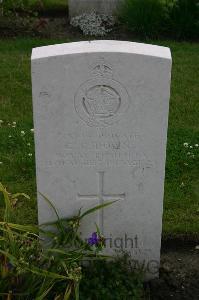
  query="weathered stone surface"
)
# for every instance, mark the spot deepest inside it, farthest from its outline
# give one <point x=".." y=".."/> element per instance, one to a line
<point x="100" y="115"/>
<point x="77" y="7"/>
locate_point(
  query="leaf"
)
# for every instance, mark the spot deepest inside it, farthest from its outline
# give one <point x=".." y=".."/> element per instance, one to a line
<point x="19" y="235"/>
<point x="45" y="293"/>
<point x="54" y="209"/>
<point x="20" y="194"/>
<point x="58" y="297"/>
<point x="2" y="203"/>
<point x="46" y="273"/>
<point x="92" y="210"/>
<point x="12" y="243"/>
<point x="98" y="230"/>
<point x="55" y="223"/>
<point x="9" y="296"/>
<point x="51" y="205"/>
<point x="15" y="294"/>
<point x="7" y="203"/>
<point x="73" y="256"/>
<point x="68" y="292"/>
<point x="24" y="228"/>
<point x="35" y="270"/>
<point x="77" y="291"/>
<point x="12" y="258"/>
<point x="56" y="251"/>
<point x="100" y="257"/>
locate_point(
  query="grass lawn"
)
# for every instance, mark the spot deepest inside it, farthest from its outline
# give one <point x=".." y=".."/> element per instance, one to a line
<point x="17" y="168"/>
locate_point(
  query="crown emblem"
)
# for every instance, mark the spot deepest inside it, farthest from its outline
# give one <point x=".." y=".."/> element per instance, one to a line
<point x="102" y="68"/>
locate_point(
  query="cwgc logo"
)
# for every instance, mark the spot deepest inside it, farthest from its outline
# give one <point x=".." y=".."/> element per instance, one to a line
<point x="101" y="101"/>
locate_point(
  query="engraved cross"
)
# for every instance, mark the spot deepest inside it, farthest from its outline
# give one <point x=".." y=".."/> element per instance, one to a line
<point x="102" y="197"/>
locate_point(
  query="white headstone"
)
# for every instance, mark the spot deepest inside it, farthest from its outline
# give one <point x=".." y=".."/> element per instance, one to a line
<point x="100" y="115"/>
<point x="77" y="7"/>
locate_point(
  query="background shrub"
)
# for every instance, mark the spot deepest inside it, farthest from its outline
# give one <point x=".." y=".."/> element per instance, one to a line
<point x="9" y="7"/>
<point x="154" y="18"/>
<point x="144" y="17"/>
<point x="183" y="19"/>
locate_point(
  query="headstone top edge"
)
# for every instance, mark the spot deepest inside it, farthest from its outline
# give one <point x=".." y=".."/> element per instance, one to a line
<point x="100" y="46"/>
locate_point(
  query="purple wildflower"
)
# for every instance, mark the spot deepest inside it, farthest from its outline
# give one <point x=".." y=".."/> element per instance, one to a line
<point x="94" y="239"/>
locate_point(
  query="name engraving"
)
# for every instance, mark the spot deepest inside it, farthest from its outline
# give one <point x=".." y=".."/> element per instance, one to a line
<point x="100" y="148"/>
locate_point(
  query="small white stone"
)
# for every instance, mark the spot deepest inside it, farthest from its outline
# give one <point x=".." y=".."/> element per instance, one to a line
<point x="197" y="247"/>
<point x="1" y="121"/>
<point x="186" y="145"/>
<point x="32" y="130"/>
<point x="14" y="123"/>
<point x="191" y="147"/>
<point x="22" y="132"/>
<point x="1" y="163"/>
<point x="196" y="145"/>
<point x="30" y="154"/>
<point x="28" y="144"/>
<point x="9" y="136"/>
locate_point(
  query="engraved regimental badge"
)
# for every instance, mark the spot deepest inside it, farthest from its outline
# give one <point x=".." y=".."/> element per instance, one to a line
<point x="101" y="101"/>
